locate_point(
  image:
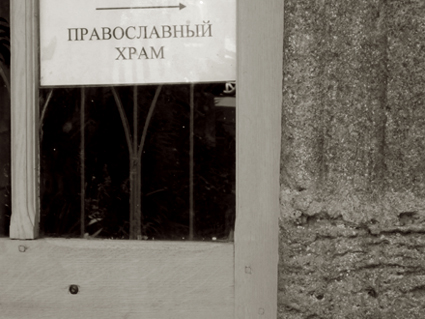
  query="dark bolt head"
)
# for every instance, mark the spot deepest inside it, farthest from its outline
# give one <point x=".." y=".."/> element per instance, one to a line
<point x="73" y="289"/>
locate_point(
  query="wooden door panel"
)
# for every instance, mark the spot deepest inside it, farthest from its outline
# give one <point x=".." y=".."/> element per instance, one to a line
<point x="144" y="279"/>
<point x="116" y="279"/>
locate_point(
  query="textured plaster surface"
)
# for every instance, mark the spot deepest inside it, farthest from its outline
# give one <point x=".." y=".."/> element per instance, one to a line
<point x="353" y="160"/>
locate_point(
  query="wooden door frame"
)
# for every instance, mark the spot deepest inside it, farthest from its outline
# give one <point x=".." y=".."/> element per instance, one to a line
<point x="258" y="122"/>
<point x="259" y="101"/>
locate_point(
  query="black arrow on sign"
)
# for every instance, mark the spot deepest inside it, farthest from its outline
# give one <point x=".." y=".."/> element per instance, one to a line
<point x="180" y="7"/>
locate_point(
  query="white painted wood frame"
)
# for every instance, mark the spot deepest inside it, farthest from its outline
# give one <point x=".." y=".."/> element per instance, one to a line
<point x="24" y="119"/>
<point x="258" y="140"/>
<point x="139" y="279"/>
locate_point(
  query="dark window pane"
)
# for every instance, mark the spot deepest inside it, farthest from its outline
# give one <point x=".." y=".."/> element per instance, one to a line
<point x="131" y="196"/>
<point x="5" y="210"/>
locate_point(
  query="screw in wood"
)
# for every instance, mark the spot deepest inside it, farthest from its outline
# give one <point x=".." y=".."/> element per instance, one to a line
<point x="73" y="289"/>
<point x="22" y="248"/>
<point x="261" y="311"/>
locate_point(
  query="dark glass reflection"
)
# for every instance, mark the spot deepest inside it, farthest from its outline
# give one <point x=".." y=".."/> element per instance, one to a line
<point x="5" y="187"/>
<point x="116" y="205"/>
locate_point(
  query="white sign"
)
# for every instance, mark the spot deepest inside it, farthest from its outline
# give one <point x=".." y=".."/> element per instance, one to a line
<point x="117" y="42"/>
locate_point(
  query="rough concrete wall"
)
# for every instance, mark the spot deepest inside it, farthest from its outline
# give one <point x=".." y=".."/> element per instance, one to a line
<point x="353" y="160"/>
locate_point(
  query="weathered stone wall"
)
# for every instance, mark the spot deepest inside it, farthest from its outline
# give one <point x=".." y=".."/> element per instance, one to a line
<point x="353" y="160"/>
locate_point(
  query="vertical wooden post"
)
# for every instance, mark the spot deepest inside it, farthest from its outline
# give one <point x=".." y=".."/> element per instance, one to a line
<point x="24" y="119"/>
<point x="259" y="103"/>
